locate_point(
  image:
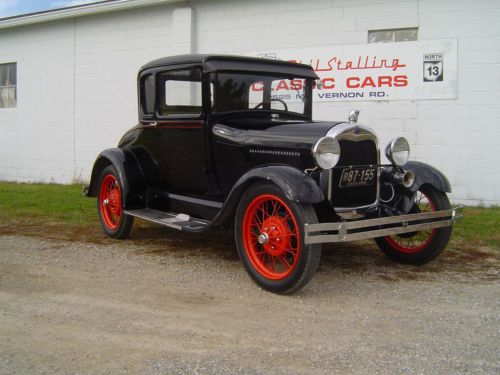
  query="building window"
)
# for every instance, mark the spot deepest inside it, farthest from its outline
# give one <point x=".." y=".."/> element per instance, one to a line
<point x="8" y="83"/>
<point x="393" y="35"/>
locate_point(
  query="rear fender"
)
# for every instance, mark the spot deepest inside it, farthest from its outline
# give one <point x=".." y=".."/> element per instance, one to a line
<point x="129" y="173"/>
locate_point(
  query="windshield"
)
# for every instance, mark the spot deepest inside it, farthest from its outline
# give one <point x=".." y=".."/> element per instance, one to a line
<point x="260" y="92"/>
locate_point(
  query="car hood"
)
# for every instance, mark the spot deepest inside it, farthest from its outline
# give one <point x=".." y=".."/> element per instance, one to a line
<point x="283" y="134"/>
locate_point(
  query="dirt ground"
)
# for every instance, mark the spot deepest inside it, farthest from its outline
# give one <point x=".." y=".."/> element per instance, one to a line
<point x="165" y="302"/>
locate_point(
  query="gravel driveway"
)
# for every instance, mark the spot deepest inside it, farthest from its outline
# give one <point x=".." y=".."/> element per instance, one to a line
<point x="187" y="306"/>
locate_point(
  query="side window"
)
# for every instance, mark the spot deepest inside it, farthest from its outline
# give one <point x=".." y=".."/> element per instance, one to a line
<point x="148" y="95"/>
<point x="180" y="93"/>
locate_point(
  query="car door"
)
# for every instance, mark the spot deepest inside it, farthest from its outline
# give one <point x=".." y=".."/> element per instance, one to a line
<point x="176" y="140"/>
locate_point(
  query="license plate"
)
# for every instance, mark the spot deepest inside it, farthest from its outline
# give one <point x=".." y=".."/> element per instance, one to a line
<point x="355" y="177"/>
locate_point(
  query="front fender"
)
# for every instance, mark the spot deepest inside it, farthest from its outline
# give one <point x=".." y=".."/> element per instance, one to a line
<point x="128" y="169"/>
<point x="294" y="184"/>
<point x="427" y="174"/>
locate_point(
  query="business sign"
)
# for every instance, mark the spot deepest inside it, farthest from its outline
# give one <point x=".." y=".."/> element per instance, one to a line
<point x="379" y="71"/>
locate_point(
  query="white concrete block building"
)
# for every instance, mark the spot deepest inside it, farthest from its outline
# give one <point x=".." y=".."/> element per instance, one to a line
<point x="68" y="76"/>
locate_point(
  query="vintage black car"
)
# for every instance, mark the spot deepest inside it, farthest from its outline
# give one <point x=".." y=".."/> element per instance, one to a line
<point x="230" y="141"/>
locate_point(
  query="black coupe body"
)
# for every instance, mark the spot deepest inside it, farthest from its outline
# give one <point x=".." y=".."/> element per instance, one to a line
<point x="230" y="141"/>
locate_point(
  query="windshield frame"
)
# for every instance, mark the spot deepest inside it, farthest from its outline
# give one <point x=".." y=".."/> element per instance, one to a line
<point x="307" y="91"/>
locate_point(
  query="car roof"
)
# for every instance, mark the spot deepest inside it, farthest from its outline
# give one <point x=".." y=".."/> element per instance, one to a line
<point x="212" y="63"/>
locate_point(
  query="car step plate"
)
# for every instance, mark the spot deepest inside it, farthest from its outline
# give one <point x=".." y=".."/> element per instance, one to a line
<point x="169" y="219"/>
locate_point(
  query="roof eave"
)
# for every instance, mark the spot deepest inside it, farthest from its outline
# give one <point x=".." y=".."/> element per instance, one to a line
<point x="78" y="11"/>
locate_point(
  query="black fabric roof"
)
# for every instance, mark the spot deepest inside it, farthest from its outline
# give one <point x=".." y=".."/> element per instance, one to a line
<point x="212" y="63"/>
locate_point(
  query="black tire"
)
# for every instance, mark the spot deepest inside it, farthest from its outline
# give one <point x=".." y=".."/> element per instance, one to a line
<point x="290" y="264"/>
<point x="114" y="222"/>
<point x="418" y="248"/>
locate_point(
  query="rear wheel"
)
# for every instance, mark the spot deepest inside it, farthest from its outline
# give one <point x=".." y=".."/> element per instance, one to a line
<point x="270" y="239"/>
<point x="423" y="246"/>
<point x="114" y="221"/>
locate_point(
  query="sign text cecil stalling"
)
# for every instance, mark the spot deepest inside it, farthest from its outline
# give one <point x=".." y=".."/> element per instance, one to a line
<point x="381" y="71"/>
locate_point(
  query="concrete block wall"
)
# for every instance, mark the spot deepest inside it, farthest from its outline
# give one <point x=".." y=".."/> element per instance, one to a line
<point x="109" y="50"/>
<point x="36" y="138"/>
<point x="77" y="78"/>
<point x="77" y="89"/>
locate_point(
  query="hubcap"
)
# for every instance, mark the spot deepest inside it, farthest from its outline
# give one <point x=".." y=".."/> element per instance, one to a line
<point x="277" y="231"/>
<point x="263" y="238"/>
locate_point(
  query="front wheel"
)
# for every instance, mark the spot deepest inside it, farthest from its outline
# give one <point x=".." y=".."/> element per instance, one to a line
<point x="270" y="239"/>
<point x="423" y="246"/>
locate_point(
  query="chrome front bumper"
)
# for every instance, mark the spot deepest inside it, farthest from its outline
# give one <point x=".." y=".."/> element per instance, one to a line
<point x="380" y="227"/>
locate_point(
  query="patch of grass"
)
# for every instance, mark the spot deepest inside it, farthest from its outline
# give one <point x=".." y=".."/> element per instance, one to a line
<point x="45" y="203"/>
<point x="479" y="227"/>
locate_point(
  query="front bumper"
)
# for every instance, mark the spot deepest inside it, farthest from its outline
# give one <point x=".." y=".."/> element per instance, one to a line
<point x="380" y="227"/>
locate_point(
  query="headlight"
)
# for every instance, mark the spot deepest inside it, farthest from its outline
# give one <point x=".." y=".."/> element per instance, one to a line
<point x="398" y="151"/>
<point x="326" y="151"/>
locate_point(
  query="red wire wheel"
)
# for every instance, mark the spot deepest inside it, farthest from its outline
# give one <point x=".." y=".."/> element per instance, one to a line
<point x="110" y="201"/>
<point x="110" y="206"/>
<point x="415" y="241"/>
<point x="270" y="240"/>
<point x="419" y="247"/>
<point x="271" y="237"/>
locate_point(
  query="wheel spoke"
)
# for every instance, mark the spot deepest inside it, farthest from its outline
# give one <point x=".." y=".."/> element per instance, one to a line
<point x="283" y="260"/>
<point x="275" y="268"/>
<point x="291" y="251"/>
<point x="282" y="235"/>
<point x="263" y="212"/>
<point x="257" y="221"/>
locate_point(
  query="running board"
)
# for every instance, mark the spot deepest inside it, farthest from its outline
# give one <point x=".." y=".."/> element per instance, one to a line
<point x="169" y="219"/>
